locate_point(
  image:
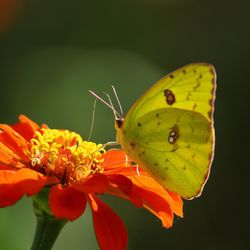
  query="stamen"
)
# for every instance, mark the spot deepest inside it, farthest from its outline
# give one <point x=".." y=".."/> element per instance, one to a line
<point x="63" y="154"/>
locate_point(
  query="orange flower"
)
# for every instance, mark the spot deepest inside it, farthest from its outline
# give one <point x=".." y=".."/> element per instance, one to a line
<point x="33" y="157"/>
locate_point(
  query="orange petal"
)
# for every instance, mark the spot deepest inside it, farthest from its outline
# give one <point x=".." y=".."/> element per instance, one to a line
<point x="9" y="194"/>
<point x="8" y="157"/>
<point x="121" y="182"/>
<point x="25" y="180"/>
<point x="97" y="183"/>
<point x="110" y="230"/>
<point x="116" y="162"/>
<point x="149" y="183"/>
<point x="14" y="144"/>
<point x="13" y="133"/>
<point x="157" y="205"/>
<point x="177" y="203"/>
<point x="114" y="159"/>
<point x="66" y="203"/>
<point x="114" y="156"/>
<point x="124" y="169"/>
<point x="29" y="182"/>
<point x="6" y="167"/>
<point x="25" y="119"/>
<point x="24" y="129"/>
<point x="6" y="177"/>
<point x="134" y="198"/>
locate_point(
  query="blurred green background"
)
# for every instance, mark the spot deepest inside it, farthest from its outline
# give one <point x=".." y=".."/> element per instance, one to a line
<point x="53" y="51"/>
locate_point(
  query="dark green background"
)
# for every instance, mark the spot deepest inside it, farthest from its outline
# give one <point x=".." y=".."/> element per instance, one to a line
<point x="56" y="50"/>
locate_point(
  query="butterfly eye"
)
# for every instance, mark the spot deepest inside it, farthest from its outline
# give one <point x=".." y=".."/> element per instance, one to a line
<point x="170" y="97"/>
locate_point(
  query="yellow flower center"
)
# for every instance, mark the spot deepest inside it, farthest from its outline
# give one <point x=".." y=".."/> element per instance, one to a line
<point x="63" y="154"/>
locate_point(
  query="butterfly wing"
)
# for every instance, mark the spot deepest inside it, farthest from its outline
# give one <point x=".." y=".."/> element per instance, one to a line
<point x="191" y="87"/>
<point x="169" y="130"/>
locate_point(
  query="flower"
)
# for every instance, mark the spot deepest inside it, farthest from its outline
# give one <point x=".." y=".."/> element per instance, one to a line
<point x="34" y="157"/>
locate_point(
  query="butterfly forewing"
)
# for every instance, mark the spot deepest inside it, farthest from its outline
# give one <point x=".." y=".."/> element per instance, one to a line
<point x="191" y="87"/>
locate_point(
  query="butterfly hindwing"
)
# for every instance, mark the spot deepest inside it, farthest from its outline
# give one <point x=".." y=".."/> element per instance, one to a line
<point x="175" y="146"/>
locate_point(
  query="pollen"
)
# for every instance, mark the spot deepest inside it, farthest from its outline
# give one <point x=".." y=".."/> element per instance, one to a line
<point x="64" y="155"/>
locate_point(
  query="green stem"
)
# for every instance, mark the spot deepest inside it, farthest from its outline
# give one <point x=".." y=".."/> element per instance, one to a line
<point x="47" y="230"/>
<point x="47" y="226"/>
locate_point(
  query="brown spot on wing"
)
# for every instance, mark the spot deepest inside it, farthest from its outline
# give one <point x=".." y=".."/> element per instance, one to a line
<point x="188" y="95"/>
<point x="196" y="86"/>
<point x="192" y="130"/>
<point x="170" y="97"/>
<point x="194" y="106"/>
<point x="175" y="148"/>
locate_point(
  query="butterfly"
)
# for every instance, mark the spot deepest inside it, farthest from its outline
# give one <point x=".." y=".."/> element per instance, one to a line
<point x="169" y="130"/>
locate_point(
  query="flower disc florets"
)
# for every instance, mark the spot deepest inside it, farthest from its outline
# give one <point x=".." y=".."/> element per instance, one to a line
<point x="64" y="155"/>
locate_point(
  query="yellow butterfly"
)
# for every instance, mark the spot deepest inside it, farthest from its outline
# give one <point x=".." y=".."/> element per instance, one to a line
<point x="169" y="130"/>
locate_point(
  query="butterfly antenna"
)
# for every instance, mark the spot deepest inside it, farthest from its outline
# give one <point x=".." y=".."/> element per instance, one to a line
<point x="106" y="103"/>
<point x="111" y="104"/>
<point x="118" y="101"/>
<point x="93" y="119"/>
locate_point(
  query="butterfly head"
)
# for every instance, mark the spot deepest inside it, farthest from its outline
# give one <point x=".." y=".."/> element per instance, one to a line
<point x="119" y="123"/>
<point x="119" y="118"/>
